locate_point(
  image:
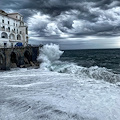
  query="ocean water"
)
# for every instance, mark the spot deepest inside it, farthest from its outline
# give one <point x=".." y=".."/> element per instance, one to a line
<point x="69" y="85"/>
<point x="108" y="58"/>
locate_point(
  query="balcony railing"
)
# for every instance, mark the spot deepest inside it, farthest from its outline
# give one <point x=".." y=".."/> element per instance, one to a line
<point x="8" y="30"/>
<point x="13" y="31"/>
<point x="2" y="29"/>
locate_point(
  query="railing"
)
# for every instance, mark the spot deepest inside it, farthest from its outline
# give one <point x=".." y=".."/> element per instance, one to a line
<point x="25" y="24"/>
<point x="15" y="40"/>
<point x="8" y="30"/>
<point x="13" y="31"/>
<point x="3" y="29"/>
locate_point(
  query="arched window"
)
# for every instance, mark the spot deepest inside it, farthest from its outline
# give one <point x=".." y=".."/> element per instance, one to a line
<point x="3" y="28"/>
<point x="18" y="37"/>
<point x="12" y="36"/>
<point x="4" y="35"/>
<point x="9" y="29"/>
<point x="27" y="39"/>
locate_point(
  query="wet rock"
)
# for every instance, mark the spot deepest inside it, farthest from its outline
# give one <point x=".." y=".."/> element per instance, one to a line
<point x="26" y="61"/>
<point x="22" y="66"/>
<point x="32" y="63"/>
<point x="13" y="65"/>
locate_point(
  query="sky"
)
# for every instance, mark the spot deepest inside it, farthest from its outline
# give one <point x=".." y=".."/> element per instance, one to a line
<point x="73" y="24"/>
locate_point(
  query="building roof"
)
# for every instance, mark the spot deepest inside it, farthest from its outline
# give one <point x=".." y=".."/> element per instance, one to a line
<point x="14" y="14"/>
<point x="3" y="12"/>
<point x="6" y="14"/>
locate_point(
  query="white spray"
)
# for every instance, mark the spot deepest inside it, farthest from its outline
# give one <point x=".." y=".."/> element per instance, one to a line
<point x="49" y="54"/>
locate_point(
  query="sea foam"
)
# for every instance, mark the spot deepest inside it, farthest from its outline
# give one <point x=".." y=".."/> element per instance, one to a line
<point x="65" y="91"/>
<point x="50" y="55"/>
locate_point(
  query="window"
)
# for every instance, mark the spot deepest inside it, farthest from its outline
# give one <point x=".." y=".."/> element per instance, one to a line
<point x="14" y="24"/>
<point x="8" y="22"/>
<point x="18" y="37"/>
<point x="16" y="16"/>
<point x="9" y="29"/>
<point x="2" y="21"/>
<point x="26" y="30"/>
<point x="3" y="28"/>
<point x="17" y="30"/>
<point x="4" y="35"/>
<point x="20" y="32"/>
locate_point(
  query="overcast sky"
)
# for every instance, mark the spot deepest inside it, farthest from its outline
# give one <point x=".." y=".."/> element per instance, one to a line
<point x="73" y="24"/>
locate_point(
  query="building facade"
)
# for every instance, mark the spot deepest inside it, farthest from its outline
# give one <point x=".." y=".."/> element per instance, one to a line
<point x="12" y="29"/>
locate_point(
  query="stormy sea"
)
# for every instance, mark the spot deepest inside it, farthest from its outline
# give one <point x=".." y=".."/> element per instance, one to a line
<point x="69" y="85"/>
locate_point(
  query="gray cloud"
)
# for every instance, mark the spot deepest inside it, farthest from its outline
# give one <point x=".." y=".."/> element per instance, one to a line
<point x="68" y="18"/>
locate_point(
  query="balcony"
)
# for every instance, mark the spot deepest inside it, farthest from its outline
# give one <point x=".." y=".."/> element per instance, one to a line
<point x="8" y="30"/>
<point x="13" y="31"/>
<point x="23" y="24"/>
<point x="2" y="29"/>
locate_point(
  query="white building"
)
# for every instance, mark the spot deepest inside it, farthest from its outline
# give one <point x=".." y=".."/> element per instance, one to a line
<point x="12" y="29"/>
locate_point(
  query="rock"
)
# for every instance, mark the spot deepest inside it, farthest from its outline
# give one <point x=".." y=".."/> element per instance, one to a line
<point x="26" y="61"/>
<point x="13" y="65"/>
<point x="22" y="66"/>
<point x="27" y="65"/>
<point x="32" y="63"/>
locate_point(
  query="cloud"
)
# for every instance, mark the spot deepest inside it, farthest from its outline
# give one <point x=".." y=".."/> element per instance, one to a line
<point x="60" y="19"/>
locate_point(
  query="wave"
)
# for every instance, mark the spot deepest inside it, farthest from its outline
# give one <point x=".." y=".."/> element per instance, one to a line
<point x="93" y="72"/>
<point x="49" y="54"/>
<point x="49" y="58"/>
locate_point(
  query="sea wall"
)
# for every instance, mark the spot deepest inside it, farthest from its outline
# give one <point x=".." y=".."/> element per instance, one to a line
<point x="18" y="57"/>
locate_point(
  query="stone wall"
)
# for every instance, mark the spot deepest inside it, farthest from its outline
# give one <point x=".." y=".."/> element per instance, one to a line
<point x="18" y="57"/>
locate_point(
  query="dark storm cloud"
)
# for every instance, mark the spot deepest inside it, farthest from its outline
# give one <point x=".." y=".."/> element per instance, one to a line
<point x="68" y="18"/>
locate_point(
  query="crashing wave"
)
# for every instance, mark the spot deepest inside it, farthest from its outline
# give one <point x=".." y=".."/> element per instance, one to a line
<point x="93" y="72"/>
<point x="50" y="54"/>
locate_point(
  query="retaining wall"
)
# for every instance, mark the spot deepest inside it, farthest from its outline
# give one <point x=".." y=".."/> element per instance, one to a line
<point x="18" y="57"/>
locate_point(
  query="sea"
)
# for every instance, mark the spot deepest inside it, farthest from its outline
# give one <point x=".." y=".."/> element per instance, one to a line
<point x="69" y="85"/>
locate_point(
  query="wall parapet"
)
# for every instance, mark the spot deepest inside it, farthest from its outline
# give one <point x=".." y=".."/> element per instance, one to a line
<point x="19" y="57"/>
